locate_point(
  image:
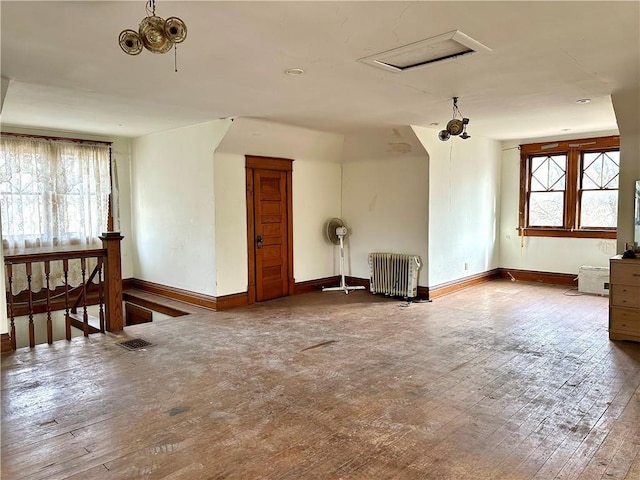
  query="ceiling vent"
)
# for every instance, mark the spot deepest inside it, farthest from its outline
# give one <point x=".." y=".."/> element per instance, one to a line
<point x="426" y="52"/>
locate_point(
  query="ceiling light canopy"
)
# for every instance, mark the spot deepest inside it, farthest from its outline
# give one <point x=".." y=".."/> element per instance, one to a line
<point x="455" y="126"/>
<point x="154" y="33"/>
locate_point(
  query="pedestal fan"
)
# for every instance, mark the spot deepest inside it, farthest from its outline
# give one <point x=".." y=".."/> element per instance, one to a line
<point x="335" y="231"/>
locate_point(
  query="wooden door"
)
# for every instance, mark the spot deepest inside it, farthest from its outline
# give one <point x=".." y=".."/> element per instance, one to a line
<point x="269" y="228"/>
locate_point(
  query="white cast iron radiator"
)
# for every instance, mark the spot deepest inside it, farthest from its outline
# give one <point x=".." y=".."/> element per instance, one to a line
<point x="394" y="274"/>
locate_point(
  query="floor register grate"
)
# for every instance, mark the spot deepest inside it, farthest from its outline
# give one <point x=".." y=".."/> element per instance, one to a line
<point x="135" y="344"/>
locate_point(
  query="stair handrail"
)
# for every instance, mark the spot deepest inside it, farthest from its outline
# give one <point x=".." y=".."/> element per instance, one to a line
<point x="20" y="258"/>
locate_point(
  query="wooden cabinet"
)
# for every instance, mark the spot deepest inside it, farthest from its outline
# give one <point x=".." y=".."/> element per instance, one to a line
<point x="624" y="299"/>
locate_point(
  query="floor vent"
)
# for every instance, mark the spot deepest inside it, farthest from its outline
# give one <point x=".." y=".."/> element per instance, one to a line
<point x="135" y="344"/>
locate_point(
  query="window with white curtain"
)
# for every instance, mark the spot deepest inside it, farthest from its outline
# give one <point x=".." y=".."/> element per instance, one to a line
<point x="53" y="192"/>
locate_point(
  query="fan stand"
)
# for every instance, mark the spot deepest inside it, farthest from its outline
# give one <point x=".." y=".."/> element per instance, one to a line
<point x="343" y="284"/>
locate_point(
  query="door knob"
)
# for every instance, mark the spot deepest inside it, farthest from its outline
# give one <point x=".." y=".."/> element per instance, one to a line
<point x="259" y="241"/>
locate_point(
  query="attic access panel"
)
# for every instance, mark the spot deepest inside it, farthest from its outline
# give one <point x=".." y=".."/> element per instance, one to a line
<point x="443" y="47"/>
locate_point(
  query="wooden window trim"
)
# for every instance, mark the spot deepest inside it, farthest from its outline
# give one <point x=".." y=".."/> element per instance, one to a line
<point x="563" y="232"/>
<point x="573" y="149"/>
<point x="57" y="139"/>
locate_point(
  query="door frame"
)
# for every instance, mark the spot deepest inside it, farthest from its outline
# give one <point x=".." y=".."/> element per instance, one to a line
<point x="253" y="162"/>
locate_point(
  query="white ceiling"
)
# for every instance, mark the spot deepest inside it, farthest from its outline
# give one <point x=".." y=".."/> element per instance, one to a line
<point x="67" y="71"/>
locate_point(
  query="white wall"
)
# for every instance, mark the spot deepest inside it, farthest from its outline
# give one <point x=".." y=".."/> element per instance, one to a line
<point x="464" y="205"/>
<point x="316" y="199"/>
<point x="627" y="108"/>
<point x="121" y="152"/>
<point x="231" y="223"/>
<point x="544" y="254"/>
<point x="4" y="87"/>
<point x="316" y="196"/>
<point x="173" y="206"/>
<point x="385" y="197"/>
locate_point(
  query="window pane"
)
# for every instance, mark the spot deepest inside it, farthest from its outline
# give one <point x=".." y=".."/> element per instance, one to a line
<point x="600" y="170"/>
<point x="599" y="209"/>
<point x="548" y="173"/>
<point x="546" y="209"/>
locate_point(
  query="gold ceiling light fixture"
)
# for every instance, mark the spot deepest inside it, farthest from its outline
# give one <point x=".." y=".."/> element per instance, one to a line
<point x="154" y="33"/>
<point x="455" y="126"/>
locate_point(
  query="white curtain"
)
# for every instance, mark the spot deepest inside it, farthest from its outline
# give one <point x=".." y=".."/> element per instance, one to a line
<point x="53" y="195"/>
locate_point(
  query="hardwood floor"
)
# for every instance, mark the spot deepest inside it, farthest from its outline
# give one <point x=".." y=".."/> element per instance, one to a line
<point x="500" y="381"/>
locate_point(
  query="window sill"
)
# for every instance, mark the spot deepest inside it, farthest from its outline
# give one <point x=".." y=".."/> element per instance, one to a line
<point x="557" y="232"/>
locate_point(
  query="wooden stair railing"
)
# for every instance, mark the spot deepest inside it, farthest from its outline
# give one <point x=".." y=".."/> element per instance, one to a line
<point x="107" y="292"/>
<point x="86" y="322"/>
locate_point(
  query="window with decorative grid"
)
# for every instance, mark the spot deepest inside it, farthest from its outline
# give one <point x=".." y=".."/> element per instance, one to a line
<point x="570" y="188"/>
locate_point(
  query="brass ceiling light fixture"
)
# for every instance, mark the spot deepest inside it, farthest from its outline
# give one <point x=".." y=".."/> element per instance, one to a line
<point x="154" y="33"/>
<point x="456" y="126"/>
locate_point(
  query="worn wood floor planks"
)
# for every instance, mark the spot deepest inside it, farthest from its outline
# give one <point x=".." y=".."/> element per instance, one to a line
<point x="500" y="381"/>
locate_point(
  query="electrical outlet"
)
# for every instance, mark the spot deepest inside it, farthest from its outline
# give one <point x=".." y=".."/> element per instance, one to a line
<point x="466" y="266"/>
